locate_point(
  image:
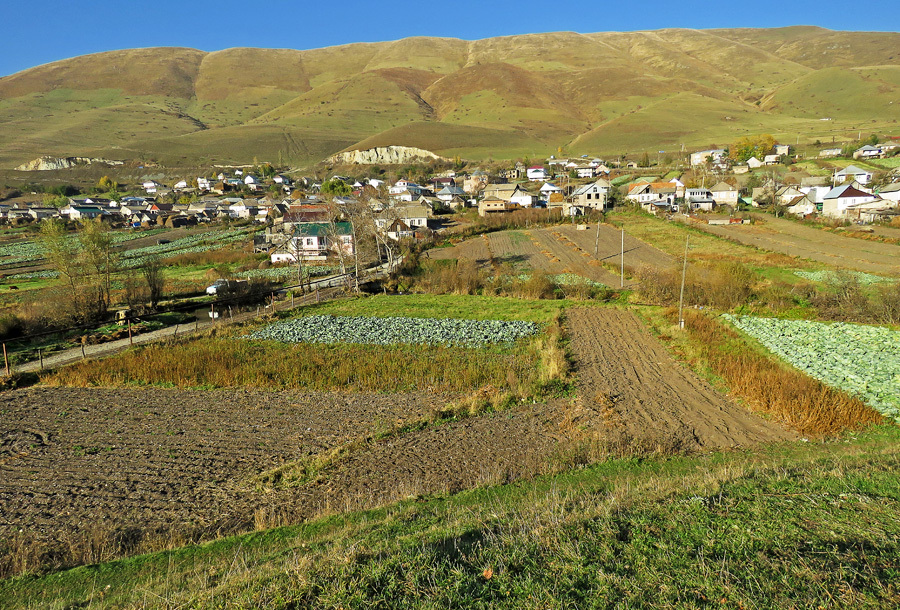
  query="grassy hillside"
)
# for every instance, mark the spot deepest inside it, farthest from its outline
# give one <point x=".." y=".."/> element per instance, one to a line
<point x="603" y="93"/>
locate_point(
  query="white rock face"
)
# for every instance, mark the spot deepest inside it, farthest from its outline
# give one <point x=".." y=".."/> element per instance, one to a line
<point x="385" y="155"/>
<point x="43" y="164"/>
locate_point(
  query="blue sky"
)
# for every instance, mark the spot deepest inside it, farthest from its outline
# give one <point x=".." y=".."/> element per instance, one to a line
<point x="52" y="29"/>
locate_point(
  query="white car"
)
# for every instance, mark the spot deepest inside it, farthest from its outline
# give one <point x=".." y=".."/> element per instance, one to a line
<point x="216" y="286"/>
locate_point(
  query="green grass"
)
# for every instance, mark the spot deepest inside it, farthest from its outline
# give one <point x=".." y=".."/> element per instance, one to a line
<point x="796" y="525"/>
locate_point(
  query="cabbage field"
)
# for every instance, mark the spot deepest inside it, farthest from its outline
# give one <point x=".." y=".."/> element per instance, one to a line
<point x="395" y="330"/>
<point x="861" y="360"/>
<point x="830" y="277"/>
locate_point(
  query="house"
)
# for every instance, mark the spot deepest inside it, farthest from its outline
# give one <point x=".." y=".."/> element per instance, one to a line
<point x="585" y="171"/>
<point x="840" y="198"/>
<point x="281" y="179"/>
<point x="724" y="194"/>
<point x="786" y="194"/>
<point x="40" y="213"/>
<point x="180" y="185"/>
<point x="873" y="211"/>
<point x="829" y="153"/>
<point x="702" y="157"/>
<point x="782" y="150"/>
<point x="548" y="188"/>
<point x="314" y="240"/>
<point x="851" y="172"/>
<point x="754" y="163"/>
<point x="536" y="173"/>
<point x="495" y="205"/>
<point x="699" y="199"/>
<point x="151" y="186"/>
<point x="591" y="196"/>
<point x="450" y="191"/>
<point x="868" y="152"/>
<point x="81" y="212"/>
<point x="771" y="159"/>
<point x="802" y="206"/>
<point x="475" y="182"/>
<point x="891" y="193"/>
<point x="512" y="193"/>
<point x="415" y="216"/>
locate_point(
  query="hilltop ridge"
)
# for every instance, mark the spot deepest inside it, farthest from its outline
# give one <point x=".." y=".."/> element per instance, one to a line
<point x="534" y="94"/>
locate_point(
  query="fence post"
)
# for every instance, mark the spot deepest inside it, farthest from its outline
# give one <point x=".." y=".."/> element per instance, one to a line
<point x="130" y="337"/>
<point x="6" y="359"/>
<point x="176" y="331"/>
<point x="41" y="357"/>
<point x="83" y="355"/>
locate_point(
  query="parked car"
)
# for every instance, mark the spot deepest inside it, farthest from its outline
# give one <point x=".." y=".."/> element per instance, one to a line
<point x="216" y="286"/>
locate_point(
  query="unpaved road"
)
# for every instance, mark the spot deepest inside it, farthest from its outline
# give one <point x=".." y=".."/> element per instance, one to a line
<point x="795" y="239"/>
<point x="628" y="379"/>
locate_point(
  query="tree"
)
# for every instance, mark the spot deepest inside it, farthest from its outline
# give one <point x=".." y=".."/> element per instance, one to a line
<point x="873" y="139"/>
<point x="335" y="187"/>
<point x="751" y="146"/>
<point x="645" y="160"/>
<point x="152" y="272"/>
<point x="85" y="263"/>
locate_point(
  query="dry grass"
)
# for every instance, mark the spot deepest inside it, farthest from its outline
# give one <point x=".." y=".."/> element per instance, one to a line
<point x="768" y="386"/>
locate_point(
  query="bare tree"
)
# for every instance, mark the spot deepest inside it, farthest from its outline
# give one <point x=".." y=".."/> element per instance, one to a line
<point x="152" y="271"/>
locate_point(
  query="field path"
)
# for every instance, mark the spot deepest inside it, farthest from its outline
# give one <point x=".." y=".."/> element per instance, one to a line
<point x="631" y="383"/>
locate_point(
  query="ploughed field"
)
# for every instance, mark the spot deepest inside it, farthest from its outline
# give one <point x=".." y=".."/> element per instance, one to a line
<point x="558" y="250"/>
<point x="76" y="463"/>
<point x="795" y="239"/>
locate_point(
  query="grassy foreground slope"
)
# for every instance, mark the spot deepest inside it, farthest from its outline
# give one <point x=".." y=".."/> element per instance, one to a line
<point x="604" y="93"/>
<point x="798" y="525"/>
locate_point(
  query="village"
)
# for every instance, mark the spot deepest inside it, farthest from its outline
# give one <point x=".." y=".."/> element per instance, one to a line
<point x="309" y="219"/>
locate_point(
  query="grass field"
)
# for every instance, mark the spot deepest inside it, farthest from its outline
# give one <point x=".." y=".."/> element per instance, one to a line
<point x="796" y="525"/>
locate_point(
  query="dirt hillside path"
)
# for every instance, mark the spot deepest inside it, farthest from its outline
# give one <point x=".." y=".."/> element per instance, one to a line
<point x="632" y="384"/>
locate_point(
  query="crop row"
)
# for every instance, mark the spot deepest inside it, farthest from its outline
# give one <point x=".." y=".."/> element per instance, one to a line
<point x="830" y="277"/>
<point x="283" y="273"/>
<point x="395" y="330"/>
<point x="861" y="360"/>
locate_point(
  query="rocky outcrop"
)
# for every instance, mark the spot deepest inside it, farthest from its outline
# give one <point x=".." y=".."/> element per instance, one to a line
<point x="383" y="155"/>
<point x="43" y="164"/>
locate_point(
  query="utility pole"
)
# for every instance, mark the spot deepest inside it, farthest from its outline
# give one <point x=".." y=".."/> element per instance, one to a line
<point x="622" y="267"/>
<point x="683" y="274"/>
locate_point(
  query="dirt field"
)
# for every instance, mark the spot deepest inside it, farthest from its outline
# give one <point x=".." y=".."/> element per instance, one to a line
<point x="559" y="249"/>
<point x="795" y="239"/>
<point x="628" y="380"/>
<point x="154" y="460"/>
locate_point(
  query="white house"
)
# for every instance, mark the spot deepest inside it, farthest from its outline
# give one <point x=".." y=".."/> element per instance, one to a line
<point x="700" y="199"/>
<point x="840" y="198"/>
<point x="854" y="173"/>
<point x="715" y="155"/>
<point x="868" y="152"/>
<point x="829" y="153"/>
<point x="591" y="196"/>
<point x="536" y="173"/>
<point x="802" y="206"/>
<point x="151" y="186"/>
<point x="891" y="193"/>
<point x="754" y="163"/>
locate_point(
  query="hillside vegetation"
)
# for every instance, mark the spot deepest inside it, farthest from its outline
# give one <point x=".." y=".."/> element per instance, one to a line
<point x="503" y="97"/>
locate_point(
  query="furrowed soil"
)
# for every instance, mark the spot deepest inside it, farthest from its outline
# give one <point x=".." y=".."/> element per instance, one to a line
<point x="560" y="249"/>
<point x="78" y="465"/>
<point x="627" y="380"/>
<point x="801" y="241"/>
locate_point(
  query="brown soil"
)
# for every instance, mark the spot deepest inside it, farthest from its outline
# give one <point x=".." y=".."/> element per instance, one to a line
<point x="627" y="380"/>
<point x="801" y="241"/>
<point x="141" y="461"/>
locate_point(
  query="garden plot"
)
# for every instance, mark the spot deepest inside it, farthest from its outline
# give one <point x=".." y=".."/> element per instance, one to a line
<point x="830" y="277"/>
<point x="861" y="360"/>
<point x="395" y="330"/>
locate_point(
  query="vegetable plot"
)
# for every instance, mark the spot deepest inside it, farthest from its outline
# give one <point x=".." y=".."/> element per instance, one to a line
<point x="830" y="277"/>
<point x="861" y="360"/>
<point x="391" y="331"/>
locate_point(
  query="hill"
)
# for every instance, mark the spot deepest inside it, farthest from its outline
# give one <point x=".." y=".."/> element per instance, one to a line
<point x="603" y="93"/>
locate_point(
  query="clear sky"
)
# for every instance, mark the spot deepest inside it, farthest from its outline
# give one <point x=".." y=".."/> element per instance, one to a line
<point x="46" y="31"/>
